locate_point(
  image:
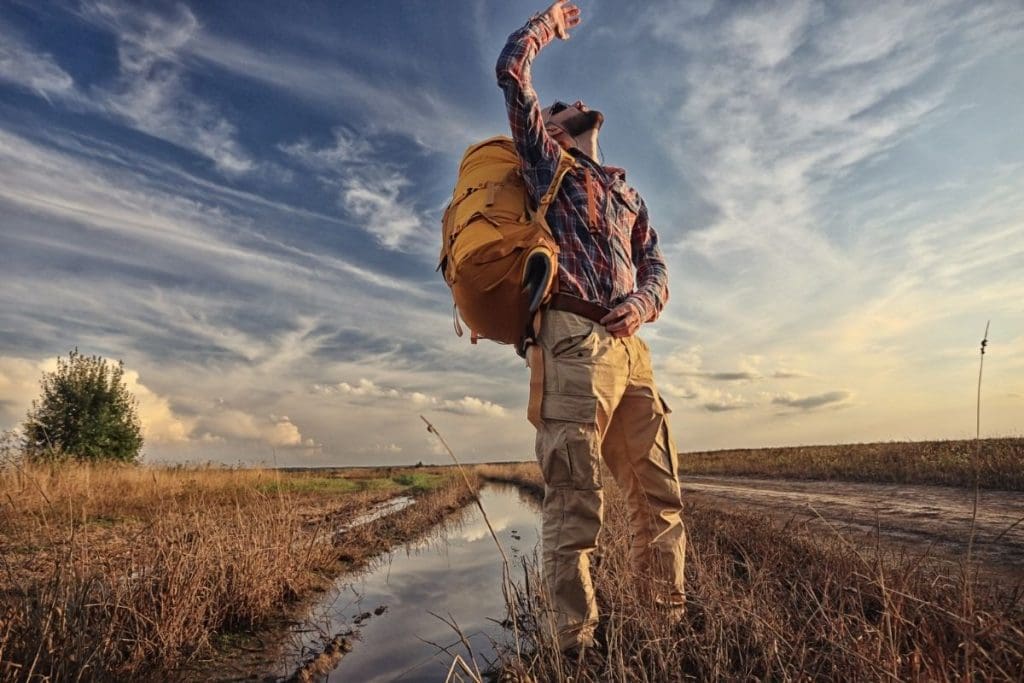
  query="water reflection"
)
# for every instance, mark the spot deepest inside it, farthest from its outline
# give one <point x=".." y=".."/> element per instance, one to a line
<point x="379" y="510"/>
<point x="455" y="573"/>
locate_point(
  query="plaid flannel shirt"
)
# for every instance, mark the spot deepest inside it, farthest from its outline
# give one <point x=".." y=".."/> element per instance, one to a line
<point x="609" y="251"/>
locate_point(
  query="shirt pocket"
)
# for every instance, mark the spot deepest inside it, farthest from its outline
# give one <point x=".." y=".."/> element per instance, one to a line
<point x="627" y="206"/>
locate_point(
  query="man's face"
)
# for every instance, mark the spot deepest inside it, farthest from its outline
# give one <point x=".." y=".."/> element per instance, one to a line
<point x="575" y="118"/>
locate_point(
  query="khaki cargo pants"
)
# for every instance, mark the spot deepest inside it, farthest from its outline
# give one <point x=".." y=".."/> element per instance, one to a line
<point x="600" y="401"/>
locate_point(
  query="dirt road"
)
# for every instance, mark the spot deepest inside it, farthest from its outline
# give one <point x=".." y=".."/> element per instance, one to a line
<point x="921" y="517"/>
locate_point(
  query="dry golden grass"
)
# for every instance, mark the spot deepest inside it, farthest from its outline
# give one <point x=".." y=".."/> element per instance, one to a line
<point x="1000" y="462"/>
<point x="778" y="603"/>
<point x="113" y="572"/>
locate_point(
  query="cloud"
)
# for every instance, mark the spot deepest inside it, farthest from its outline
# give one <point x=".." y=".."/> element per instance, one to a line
<point x="832" y="399"/>
<point x="131" y="220"/>
<point x="689" y="363"/>
<point x="782" y="102"/>
<point x="711" y="399"/>
<point x="19" y="386"/>
<point x="382" y="448"/>
<point x="25" y="67"/>
<point x="768" y="34"/>
<point x="400" y="102"/>
<point x="159" y="422"/>
<point x="365" y="389"/>
<point x="788" y="374"/>
<point x="348" y="148"/>
<point x="729" y="376"/>
<point x="370" y="189"/>
<point x="152" y="93"/>
<point x="273" y="430"/>
<point x="374" y="200"/>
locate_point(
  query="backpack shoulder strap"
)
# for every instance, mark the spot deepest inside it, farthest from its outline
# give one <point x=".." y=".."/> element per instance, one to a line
<point x="565" y="162"/>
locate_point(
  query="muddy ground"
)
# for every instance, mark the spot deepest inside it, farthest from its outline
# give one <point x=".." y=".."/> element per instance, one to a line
<point x="932" y="519"/>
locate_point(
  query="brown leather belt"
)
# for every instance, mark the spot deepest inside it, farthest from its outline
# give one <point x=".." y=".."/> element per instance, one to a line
<point x="572" y="304"/>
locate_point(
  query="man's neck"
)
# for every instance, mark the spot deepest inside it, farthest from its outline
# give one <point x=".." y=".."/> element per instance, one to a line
<point x="587" y="143"/>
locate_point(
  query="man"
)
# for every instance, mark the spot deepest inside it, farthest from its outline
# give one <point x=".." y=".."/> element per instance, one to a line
<point x="599" y="397"/>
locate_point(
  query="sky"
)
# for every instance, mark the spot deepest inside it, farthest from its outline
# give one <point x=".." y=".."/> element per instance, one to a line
<point x="242" y="202"/>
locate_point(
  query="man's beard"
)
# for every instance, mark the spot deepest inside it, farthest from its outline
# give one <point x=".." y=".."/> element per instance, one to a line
<point x="584" y="121"/>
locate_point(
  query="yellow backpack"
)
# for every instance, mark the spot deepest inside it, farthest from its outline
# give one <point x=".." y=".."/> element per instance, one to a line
<point x="497" y="252"/>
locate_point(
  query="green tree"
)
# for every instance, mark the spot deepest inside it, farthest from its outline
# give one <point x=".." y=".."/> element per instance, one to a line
<point x="85" y="412"/>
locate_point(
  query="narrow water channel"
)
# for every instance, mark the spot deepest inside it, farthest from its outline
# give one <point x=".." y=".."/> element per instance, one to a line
<point x="455" y="572"/>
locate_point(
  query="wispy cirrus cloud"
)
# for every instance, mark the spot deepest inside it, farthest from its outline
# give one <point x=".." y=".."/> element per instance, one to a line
<point x="783" y="101"/>
<point x="30" y="68"/>
<point x="152" y="93"/>
<point x="370" y="189"/>
<point x="398" y="103"/>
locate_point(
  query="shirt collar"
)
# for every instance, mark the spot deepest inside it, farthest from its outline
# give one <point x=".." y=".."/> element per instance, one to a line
<point x="611" y="171"/>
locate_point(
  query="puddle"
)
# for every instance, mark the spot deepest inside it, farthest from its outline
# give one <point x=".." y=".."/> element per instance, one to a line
<point x="379" y="510"/>
<point x="454" y="573"/>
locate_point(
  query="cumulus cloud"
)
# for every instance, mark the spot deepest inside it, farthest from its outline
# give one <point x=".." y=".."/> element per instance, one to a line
<point x="236" y="424"/>
<point x="367" y="390"/>
<point x="830" y="399"/>
<point x="159" y="422"/>
<point x="162" y="425"/>
<point x="19" y="385"/>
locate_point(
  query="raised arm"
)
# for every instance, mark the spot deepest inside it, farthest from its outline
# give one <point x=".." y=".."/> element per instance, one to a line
<point x="537" y="149"/>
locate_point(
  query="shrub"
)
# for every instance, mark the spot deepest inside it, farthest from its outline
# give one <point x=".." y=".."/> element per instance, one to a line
<point x="85" y="412"/>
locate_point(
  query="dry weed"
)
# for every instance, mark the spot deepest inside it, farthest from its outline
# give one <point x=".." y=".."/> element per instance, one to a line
<point x="777" y="603"/>
<point x="113" y="572"/>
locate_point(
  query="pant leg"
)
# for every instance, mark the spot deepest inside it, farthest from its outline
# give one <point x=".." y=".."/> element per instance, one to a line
<point x="642" y="456"/>
<point x="573" y="510"/>
<point x="580" y="389"/>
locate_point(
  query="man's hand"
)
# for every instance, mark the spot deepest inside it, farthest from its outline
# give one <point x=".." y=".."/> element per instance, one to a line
<point x="623" y="320"/>
<point x="564" y="15"/>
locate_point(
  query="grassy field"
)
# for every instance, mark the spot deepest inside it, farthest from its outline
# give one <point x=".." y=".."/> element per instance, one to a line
<point x="1000" y="462"/>
<point x="778" y="603"/>
<point x="116" y="573"/>
<point x="110" y="573"/>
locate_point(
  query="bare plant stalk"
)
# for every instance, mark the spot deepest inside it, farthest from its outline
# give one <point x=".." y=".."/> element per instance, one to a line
<point x="977" y="446"/>
<point x="505" y="571"/>
<point x="433" y="430"/>
<point x="968" y="584"/>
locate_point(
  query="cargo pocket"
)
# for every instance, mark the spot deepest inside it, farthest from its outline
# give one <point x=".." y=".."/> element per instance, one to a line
<point x="572" y="346"/>
<point x="568" y="335"/>
<point x="568" y="442"/>
<point x="666" y="445"/>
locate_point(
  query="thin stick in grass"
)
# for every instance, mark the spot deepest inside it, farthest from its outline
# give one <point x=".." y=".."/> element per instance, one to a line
<point x="968" y="601"/>
<point x="506" y="578"/>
